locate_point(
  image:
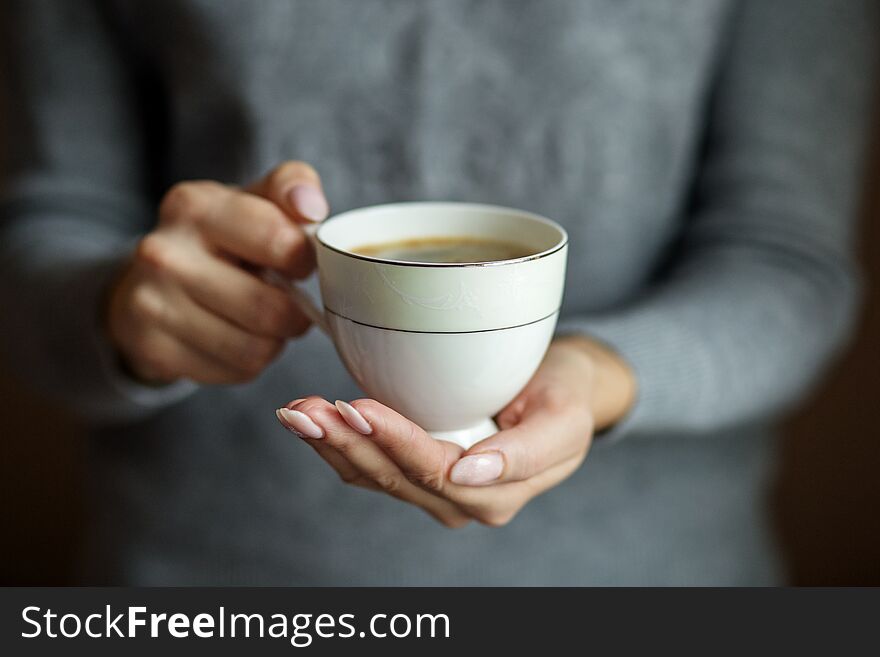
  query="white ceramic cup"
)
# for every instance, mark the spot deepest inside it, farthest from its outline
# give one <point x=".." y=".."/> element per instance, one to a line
<point x="447" y="345"/>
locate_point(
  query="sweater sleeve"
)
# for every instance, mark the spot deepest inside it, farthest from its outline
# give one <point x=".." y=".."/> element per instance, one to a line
<point x="73" y="199"/>
<point x="761" y="289"/>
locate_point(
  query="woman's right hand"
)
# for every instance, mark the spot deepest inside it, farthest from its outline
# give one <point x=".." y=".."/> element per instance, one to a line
<point x="191" y="303"/>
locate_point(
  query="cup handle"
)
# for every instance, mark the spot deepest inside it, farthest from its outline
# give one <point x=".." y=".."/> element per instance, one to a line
<point x="299" y="296"/>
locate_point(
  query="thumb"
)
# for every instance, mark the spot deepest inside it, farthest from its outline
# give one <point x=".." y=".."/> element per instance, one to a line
<point x="543" y="438"/>
<point x="295" y="187"/>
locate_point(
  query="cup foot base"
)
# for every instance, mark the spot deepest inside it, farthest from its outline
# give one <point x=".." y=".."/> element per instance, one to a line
<point x="470" y="436"/>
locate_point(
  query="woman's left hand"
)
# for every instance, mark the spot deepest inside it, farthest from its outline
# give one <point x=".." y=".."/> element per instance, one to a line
<point x="545" y="435"/>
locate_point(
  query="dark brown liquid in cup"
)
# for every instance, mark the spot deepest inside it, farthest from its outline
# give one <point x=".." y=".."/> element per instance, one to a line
<point x="456" y="249"/>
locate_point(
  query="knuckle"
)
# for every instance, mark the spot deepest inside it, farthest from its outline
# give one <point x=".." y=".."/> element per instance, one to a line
<point x="300" y="325"/>
<point x="293" y="169"/>
<point x="454" y="522"/>
<point x="339" y="441"/>
<point x="153" y="359"/>
<point x="250" y="367"/>
<point x="243" y="374"/>
<point x="498" y="519"/>
<point x="268" y="228"/>
<point x="181" y="202"/>
<point x="257" y="354"/>
<point x="139" y="344"/>
<point x="430" y="480"/>
<point x="155" y="252"/>
<point x="243" y="377"/>
<point x="350" y="478"/>
<point x="272" y="314"/>
<point x="389" y="482"/>
<point x="248" y="357"/>
<point x="147" y="304"/>
<point x="495" y="517"/>
<point x="264" y="351"/>
<point x="246" y="373"/>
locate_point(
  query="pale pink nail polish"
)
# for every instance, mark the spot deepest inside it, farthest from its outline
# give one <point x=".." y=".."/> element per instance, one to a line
<point x="286" y="424"/>
<point x="290" y="405"/>
<point x="353" y="418"/>
<point x="309" y="201"/>
<point x="478" y="469"/>
<point x="301" y="423"/>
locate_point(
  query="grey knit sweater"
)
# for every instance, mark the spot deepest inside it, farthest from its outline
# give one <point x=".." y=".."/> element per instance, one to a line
<point x="703" y="155"/>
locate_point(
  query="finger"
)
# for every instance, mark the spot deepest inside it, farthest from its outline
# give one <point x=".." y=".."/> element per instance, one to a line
<point x="498" y="505"/>
<point x="545" y="435"/>
<point x="511" y="414"/>
<point x="217" y="338"/>
<point x="366" y="457"/>
<point x="164" y="358"/>
<point x="346" y="471"/>
<point x="424" y="460"/>
<point x="240" y="224"/>
<point x="553" y="476"/>
<point x="295" y="187"/>
<point x="225" y="289"/>
<point x="255" y="230"/>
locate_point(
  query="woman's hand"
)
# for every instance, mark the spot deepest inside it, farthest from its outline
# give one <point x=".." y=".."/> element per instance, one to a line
<point x="190" y="303"/>
<point x="545" y="435"/>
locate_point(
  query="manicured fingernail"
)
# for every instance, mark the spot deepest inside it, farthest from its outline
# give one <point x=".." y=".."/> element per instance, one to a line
<point x="353" y="418"/>
<point x="290" y="405"/>
<point x="286" y="424"/>
<point x="478" y="469"/>
<point x="309" y="201"/>
<point x="301" y="423"/>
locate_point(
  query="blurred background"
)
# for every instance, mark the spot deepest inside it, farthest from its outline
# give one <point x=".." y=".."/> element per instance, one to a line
<point x="825" y="501"/>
